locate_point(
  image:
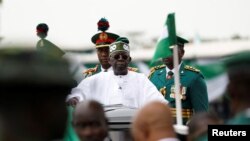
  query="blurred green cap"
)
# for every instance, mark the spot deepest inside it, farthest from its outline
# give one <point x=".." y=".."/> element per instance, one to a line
<point x="22" y="67"/>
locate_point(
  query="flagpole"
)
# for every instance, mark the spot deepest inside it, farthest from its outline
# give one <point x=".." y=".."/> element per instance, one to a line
<point x="179" y="127"/>
<point x="177" y="87"/>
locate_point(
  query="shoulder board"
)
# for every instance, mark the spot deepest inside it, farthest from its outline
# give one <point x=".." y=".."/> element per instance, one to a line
<point x="157" y="67"/>
<point x="90" y="70"/>
<point x="191" y="68"/>
<point x="153" y="69"/>
<point x="132" y="69"/>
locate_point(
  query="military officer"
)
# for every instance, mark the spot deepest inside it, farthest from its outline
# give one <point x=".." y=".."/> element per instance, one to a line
<point x="45" y="46"/>
<point x="119" y="86"/>
<point x="102" y="41"/>
<point x="193" y="90"/>
<point x="238" y="87"/>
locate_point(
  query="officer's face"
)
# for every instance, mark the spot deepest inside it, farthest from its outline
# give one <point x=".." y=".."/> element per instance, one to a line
<point x="119" y="61"/>
<point x="103" y="56"/>
<point x="90" y="126"/>
<point x="169" y="61"/>
<point x="41" y="35"/>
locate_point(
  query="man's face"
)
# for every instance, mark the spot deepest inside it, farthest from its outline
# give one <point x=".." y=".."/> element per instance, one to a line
<point x="169" y="61"/>
<point x="119" y="61"/>
<point x="41" y="35"/>
<point x="89" y="126"/>
<point x="103" y="55"/>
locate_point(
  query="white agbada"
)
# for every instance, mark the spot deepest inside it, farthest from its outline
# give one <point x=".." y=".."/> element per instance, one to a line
<point x="132" y="90"/>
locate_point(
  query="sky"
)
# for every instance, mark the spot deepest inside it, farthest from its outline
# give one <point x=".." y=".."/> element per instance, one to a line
<point x="72" y="23"/>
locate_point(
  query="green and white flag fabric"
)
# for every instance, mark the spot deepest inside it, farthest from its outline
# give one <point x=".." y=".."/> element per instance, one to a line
<point x="172" y="39"/>
<point x="167" y="39"/>
<point x="70" y="134"/>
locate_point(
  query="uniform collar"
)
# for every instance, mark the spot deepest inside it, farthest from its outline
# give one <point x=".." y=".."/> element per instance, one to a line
<point x="118" y="76"/>
<point x="173" y="70"/>
<point x="109" y="69"/>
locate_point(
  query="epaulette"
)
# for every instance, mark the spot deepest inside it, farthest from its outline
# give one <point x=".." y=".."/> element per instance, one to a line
<point x="153" y="69"/>
<point x="90" y="70"/>
<point x="191" y="69"/>
<point x="132" y="69"/>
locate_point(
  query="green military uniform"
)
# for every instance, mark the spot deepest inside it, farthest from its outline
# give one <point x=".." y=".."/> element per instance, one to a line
<point x="202" y="138"/>
<point x="193" y="89"/>
<point x="45" y="46"/>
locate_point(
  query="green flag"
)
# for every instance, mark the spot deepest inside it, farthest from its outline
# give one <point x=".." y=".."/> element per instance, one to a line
<point x="171" y="30"/>
<point x="167" y="39"/>
<point x="70" y="134"/>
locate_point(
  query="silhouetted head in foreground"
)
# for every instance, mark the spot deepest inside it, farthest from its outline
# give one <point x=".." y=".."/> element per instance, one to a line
<point x="153" y="122"/>
<point x="33" y="89"/>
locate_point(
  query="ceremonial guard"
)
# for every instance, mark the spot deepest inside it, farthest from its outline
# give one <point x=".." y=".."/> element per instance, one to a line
<point x="102" y="41"/>
<point x="45" y="46"/>
<point x="193" y="90"/>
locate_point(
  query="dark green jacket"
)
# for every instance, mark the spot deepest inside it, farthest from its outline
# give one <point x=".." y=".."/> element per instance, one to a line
<point x="194" y="95"/>
<point x="45" y="46"/>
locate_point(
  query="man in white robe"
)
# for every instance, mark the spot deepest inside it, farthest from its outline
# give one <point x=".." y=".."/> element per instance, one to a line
<point x="119" y="86"/>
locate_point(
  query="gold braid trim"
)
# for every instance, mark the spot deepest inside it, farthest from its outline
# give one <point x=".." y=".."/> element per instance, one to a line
<point x="153" y="69"/>
<point x="186" y="113"/>
<point x="132" y="69"/>
<point x="191" y="68"/>
<point x="90" y="70"/>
